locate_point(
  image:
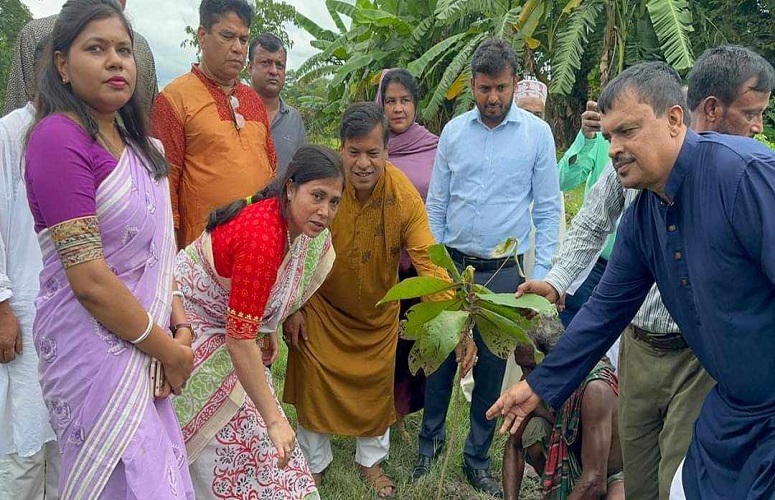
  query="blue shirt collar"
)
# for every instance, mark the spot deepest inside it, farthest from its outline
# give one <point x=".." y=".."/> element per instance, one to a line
<point x="511" y="116"/>
<point x="683" y="165"/>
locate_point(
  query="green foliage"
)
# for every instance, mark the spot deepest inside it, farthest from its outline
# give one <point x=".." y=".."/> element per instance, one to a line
<point x="672" y="20"/>
<point x="571" y="43"/>
<point x="418" y="286"/>
<point x="13" y="16"/>
<point x="576" y="46"/>
<point x="310" y="99"/>
<point x="436" y="339"/>
<point x="440" y="256"/>
<point x="438" y="326"/>
<point x="765" y="140"/>
<point x="421" y="313"/>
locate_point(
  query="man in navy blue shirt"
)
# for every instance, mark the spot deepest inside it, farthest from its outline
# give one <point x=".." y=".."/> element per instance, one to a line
<point x="704" y="232"/>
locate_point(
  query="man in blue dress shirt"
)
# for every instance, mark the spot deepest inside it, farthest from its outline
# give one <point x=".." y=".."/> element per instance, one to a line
<point x="704" y="232"/>
<point x="491" y="164"/>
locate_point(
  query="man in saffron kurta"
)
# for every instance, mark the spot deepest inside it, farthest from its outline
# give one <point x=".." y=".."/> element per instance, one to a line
<point x="215" y="129"/>
<point x="340" y="378"/>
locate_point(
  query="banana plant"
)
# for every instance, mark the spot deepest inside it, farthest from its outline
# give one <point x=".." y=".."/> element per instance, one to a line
<point x="438" y="326"/>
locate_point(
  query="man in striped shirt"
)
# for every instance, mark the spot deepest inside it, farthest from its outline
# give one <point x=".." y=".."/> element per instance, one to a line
<point x="662" y="383"/>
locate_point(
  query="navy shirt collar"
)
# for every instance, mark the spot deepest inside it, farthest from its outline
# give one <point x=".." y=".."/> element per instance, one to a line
<point x="682" y="166"/>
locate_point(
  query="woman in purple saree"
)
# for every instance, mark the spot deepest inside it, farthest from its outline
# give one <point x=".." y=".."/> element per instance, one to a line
<point x="100" y="199"/>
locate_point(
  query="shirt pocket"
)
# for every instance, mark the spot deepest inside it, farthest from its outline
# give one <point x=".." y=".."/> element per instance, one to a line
<point x="512" y="172"/>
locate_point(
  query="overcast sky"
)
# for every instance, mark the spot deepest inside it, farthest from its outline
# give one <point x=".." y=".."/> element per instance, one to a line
<point x="162" y="23"/>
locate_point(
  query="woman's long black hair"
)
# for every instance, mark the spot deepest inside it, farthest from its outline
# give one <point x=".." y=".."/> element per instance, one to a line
<point x="310" y="163"/>
<point x="53" y="96"/>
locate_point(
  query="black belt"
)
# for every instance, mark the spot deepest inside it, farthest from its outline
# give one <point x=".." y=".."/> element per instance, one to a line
<point x="673" y="341"/>
<point x="480" y="264"/>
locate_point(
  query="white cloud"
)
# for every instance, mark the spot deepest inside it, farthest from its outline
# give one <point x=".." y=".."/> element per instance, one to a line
<point x="162" y="23"/>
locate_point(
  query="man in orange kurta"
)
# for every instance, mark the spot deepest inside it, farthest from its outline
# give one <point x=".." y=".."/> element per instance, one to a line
<point x="215" y="129"/>
<point x="340" y="378"/>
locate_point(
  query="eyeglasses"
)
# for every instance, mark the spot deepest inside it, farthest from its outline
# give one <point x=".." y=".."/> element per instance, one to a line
<point x="239" y="120"/>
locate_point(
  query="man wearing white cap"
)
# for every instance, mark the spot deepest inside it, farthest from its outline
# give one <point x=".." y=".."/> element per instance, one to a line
<point x="531" y="96"/>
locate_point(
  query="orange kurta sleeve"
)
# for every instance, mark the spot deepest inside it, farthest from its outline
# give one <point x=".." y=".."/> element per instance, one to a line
<point x="249" y="249"/>
<point x="418" y="239"/>
<point x="167" y="126"/>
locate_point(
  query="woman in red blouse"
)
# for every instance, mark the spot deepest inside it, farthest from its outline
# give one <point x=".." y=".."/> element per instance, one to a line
<point x="258" y="261"/>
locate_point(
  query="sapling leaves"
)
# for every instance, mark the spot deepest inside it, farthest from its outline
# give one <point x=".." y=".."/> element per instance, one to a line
<point x="440" y="256"/>
<point x="506" y="249"/>
<point x="506" y="327"/>
<point x="533" y="302"/>
<point x="492" y="328"/>
<point x="421" y="313"/>
<point x="437" y="326"/>
<point x="436" y="339"/>
<point x="417" y="286"/>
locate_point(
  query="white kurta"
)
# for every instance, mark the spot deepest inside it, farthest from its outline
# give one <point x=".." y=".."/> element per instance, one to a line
<point x="24" y="426"/>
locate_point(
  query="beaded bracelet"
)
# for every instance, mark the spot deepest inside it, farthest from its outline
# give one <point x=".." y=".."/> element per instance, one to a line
<point x="146" y="332"/>
<point x="178" y="293"/>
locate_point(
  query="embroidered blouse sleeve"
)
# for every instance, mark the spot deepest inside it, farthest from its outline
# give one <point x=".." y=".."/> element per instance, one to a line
<point x="258" y="244"/>
<point x="61" y="189"/>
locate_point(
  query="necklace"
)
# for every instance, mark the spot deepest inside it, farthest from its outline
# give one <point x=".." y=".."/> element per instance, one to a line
<point x="116" y="152"/>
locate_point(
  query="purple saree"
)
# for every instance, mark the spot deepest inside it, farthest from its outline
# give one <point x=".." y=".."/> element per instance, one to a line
<point x="115" y="440"/>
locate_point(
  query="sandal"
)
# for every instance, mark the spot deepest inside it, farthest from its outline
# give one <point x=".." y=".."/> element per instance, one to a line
<point x="378" y="480"/>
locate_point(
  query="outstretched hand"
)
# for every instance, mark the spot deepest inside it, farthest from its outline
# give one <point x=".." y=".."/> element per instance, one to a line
<point x="514" y="405"/>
